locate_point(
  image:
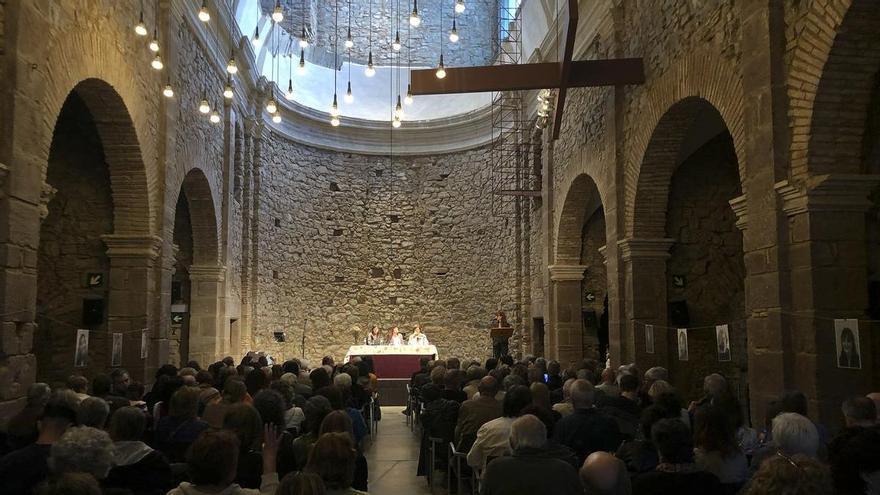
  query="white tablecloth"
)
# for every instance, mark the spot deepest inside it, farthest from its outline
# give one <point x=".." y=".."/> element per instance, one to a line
<point x="378" y="350"/>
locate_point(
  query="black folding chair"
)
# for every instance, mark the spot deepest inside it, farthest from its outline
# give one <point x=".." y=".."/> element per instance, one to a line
<point x="436" y="446"/>
<point x="457" y="464"/>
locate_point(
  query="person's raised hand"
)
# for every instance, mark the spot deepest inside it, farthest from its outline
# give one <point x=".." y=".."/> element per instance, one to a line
<point x="271" y="441"/>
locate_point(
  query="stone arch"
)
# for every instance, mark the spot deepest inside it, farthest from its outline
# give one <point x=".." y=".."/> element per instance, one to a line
<point x="647" y="213"/>
<point x="203" y="214"/>
<point x="667" y="110"/>
<point x="831" y="76"/>
<point x="581" y="198"/>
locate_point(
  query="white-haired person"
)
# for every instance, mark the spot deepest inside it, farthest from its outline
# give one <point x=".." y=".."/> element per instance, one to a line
<point x="528" y="469"/>
<point x="791" y="434"/>
<point x="136" y="465"/>
<point x="82" y="449"/>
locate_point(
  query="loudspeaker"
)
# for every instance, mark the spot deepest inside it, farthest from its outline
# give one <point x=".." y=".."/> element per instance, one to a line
<point x="92" y="312"/>
<point x="678" y="313"/>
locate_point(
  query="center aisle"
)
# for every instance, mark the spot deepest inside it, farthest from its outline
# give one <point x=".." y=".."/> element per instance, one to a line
<point x="393" y="457"/>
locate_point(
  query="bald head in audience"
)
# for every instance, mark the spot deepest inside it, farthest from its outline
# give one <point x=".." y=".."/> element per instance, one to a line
<point x="604" y="474"/>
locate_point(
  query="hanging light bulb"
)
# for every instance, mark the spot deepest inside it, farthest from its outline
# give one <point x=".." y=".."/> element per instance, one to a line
<point x="141" y="28"/>
<point x="255" y="41"/>
<point x="414" y="19"/>
<point x="215" y="117"/>
<point x="408" y="99"/>
<point x="271" y="107"/>
<point x="204" y="16"/>
<point x="154" y="43"/>
<point x="276" y="118"/>
<point x="335" y="122"/>
<point x="278" y="13"/>
<point x="228" y="93"/>
<point x="398" y="110"/>
<point x="395" y="123"/>
<point x="334" y="108"/>
<point x="349" y="41"/>
<point x="157" y="62"/>
<point x="288" y="95"/>
<point x="204" y="106"/>
<point x="453" y="35"/>
<point x="395" y="45"/>
<point x="168" y="91"/>
<point x="349" y="97"/>
<point x="231" y="67"/>
<point x="302" y="61"/>
<point x="370" y="71"/>
<point x="441" y="70"/>
<point x="459" y="6"/>
<point x="303" y="41"/>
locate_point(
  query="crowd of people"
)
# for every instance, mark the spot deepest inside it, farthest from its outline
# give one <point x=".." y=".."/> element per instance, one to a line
<point x="254" y="428"/>
<point x="531" y="427"/>
<point x="522" y="427"/>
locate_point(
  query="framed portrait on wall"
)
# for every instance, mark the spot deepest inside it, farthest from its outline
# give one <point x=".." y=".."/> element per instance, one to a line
<point x="682" y="344"/>
<point x="722" y="340"/>
<point x="846" y="340"/>
<point x="81" y="352"/>
<point x="144" y="344"/>
<point x="649" y="339"/>
<point x="116" y="350"/>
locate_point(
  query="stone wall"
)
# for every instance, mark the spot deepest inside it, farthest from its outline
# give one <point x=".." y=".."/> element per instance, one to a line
<point x="347" y="241"/>
<point x="477" y="27"/>
<point x="80" y="212"/>
<point x="708" y="254"/>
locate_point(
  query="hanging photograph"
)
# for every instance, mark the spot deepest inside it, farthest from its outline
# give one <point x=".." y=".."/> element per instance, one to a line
<point x="81" y="353"/>
<point x="144" y="344"/>
<point x="682" y="344"/>
<point x="846" y="338"/>
<point x="649" y="339"/>
<point x="722" y="338"/>
<point x="116" y="350"/>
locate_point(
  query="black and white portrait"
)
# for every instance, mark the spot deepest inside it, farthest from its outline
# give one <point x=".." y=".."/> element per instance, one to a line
<point x="722" y="340"/>
<point x="81" y="353"/>
<point x="649" y="339"/>
<point x="846" y="338"/>
<point x="682" y="344"/>
<point x="116" y="350"/>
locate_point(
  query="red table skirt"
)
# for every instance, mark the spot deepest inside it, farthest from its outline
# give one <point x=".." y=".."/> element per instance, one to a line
<point x="396" y="366"/>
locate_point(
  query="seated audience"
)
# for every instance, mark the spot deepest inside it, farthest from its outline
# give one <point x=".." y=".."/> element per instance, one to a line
<point x="438" y="420"/>
<point x="102" y="386"/>
<point x="716" y="450"/>
<point x="565" y="407"/>
<point x="859" y="412"/>
<point x="93" y="411"/>
<point x="608" y="385"/>
<point x="82" y="449"/>
<point x="212" y="464"/>
<point x="317" y="408"/>
<point x="270" y="405"/>
<point x="604" y="474"/>
<point x="234" y="392"/>
<point x="333" y="459"/>
<point x="796" y="475"/>
<point x="624" y="408"/>
<point x="175" y="432"/>
<point x="586" y="430"/>
<point x="245" y="422"/>
<point x="854" y="456"/>
<point x="493" y="438"/>
<point x="676" y="473"/>
<point x="528" y="470"/>
<point x="639" y="455"/>
<point x="334" y="395"/>
<point x="22" y="469"/>
<point x="21" y="429"/>
<point x="301" y="483"/>
<point x="473" y="375"/>
<point x="136" y="466"/>
<point x="476" y="412"/>
<point x="339" y="422"/>
<point x="79" y="385"/>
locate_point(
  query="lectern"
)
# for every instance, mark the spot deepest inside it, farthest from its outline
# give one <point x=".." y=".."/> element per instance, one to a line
<point x="500" y="336"/>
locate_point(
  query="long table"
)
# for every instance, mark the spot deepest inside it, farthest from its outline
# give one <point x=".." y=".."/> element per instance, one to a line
<point x="393" y="361"/>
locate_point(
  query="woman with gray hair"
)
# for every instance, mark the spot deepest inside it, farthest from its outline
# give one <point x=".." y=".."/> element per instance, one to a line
<point x="82" y="449"/>
<point x="137" y="466"/>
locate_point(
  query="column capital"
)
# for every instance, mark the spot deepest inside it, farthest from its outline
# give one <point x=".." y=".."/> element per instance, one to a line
<point x="740" y="209"/>
<point x="132" y="246"/>
<point x="215" y="273"/>
<point x="634" y="249"/>
<point x="826" y="193"/>
<point x="564" y="273"/>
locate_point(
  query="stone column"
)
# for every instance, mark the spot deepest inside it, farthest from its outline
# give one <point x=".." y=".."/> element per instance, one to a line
<point x="568" y="325"/>
<point x="208" y="332"/>
<point x="644" y="271"/>
<point x="131" y="301"/>
<point x="828" y="268"/>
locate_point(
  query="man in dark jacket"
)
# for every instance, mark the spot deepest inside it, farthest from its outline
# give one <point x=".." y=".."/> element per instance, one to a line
<point x="438" y="421"/>
<point x="476" y="412"/>
<point x="586" y="430"/>
<point x="529" y="470"/>
<point x="624" y="408"/>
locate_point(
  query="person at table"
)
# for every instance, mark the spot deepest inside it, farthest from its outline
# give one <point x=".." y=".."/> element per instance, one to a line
<point x="417" y="337"/>
<point x="374" y="337"/>
<point x="395" y="338"/>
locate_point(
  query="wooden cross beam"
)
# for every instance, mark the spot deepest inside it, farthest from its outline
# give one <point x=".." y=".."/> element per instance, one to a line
<point x="560" y="75"/>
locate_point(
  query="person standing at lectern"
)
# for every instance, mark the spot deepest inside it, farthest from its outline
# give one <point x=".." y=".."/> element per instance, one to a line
<point x="395" y="338"/>
<point x="374" y="337"/>
<point x="417" y="337"/>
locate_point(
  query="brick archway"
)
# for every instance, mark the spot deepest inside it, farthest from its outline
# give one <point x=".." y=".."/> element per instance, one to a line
<point x="582" y="197"/>
<point x="203" y="212"/>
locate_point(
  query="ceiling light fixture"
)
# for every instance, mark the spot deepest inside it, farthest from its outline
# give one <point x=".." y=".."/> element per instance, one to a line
<point x="276" y="118"/>
<point x="441" y="69"/>
<point x="204" y="15"/>
<point x="349" y="96"/>
<point x="459" y="6"/>
<point x="141" y="27"/>
<point x="395" y="123"/>
<point x="215" y="117"/>
<point x="255" y="41"/>
<point x="414" y="19"/>
<point x="204" y="106"/>
<point x="334" y="107"/>
<point x="302" y="61"/>
<point x="231" y="67"/>
<point x="157" y="62"/>
<point x="370" y="71"/>
<point x="303" y="41"/>
<point x="395" y="45"/>
<point x="408" y="99"/>
<point x="168" y="91"/>
<point x="228" y="92"/>
<point x="271" y="106"/>
<point x="453" y="35"/>
<point x="154" y="43"/>
<point x="278" y="12"/>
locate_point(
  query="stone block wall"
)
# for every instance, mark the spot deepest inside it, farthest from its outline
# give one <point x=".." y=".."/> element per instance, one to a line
<point x="347" y="241"/>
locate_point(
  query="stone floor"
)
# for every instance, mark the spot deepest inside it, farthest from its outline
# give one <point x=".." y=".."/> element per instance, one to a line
<point x="394" y="456"/>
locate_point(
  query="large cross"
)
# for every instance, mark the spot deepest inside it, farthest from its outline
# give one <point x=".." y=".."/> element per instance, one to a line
<point x="562" y="75"/>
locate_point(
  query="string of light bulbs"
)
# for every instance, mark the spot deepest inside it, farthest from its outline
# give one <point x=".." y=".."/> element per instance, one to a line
<point x="370" y="71"/>
<point x="334" y="107"/>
